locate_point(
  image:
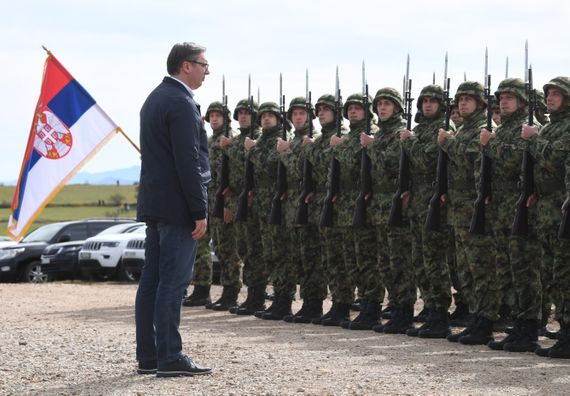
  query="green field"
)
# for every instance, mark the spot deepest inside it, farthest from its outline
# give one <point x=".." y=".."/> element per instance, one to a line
<point x="77" y="201"/>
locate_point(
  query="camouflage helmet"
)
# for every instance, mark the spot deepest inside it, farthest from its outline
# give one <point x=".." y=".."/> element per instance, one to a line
<point x="297" y="103"/>
<point x="244" y="105"/>
<point x="473" y="89"/>
<point x="269" y="107"/>
<point x="356" y="98"/>
<point x="515" y="86"/>
<point x="219" y="107"/>
<point x="431" y="90"/>
<point x="562" y="83"/>
<point x="325" y="100"/>
<point x="540" y="101"/>
<point x="390" y="94"/>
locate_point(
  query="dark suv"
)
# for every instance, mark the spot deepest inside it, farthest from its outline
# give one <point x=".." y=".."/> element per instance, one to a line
<point x="21" y="262"/>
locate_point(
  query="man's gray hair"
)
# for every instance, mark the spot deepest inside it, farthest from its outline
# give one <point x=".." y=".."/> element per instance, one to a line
<point x="181" y="52"/>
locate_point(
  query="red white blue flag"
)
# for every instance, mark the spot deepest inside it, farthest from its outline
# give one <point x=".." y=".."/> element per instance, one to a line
<point x="68" y="128"/>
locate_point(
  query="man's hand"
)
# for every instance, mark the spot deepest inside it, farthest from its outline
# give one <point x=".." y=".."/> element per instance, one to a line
<point x="200" y="229"/>
<point x="307" y="140"/>
<point x="531" y="201"/>
<point x="228" y="216"/>
<point x="310" y="197"/>
<point x="335" y="140"/>
<point x="249" y="143"/>
<point x="405" y="199"/>
<point x="282" y="145"/>
<point x="225" y="142"/>
<point x="485" y="136"/>
<point x="442" y="135"/>
<point x="404" y="134"/>
<point x="528" y="131"/>
<point x="365" y="139"/>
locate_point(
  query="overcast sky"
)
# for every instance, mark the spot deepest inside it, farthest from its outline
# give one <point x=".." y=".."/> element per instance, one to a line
<point x="117" y="50"/>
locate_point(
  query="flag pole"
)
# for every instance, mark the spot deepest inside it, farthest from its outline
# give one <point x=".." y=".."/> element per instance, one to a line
<point x="129" y="139"/>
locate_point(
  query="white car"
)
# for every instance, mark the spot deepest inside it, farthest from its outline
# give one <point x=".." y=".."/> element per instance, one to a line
<point x="100" y="256"/>
<point x="133" y="255"/>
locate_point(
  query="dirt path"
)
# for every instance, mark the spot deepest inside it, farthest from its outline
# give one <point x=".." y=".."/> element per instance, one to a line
<point x="78" y="338"/>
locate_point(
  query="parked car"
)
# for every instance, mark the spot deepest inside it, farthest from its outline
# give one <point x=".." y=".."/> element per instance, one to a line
<point x="62" y="259"/>
<point x="21" y="262"/>
<point x="100" y="256"/>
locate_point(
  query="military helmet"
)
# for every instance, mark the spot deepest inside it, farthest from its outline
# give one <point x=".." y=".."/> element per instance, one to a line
<point x="356" y="98"/>
<point x="515" y="86"/>
<point x="219" y="107"/>
<point x="431" y="90"/>
<point x="269" y="107"/>
<point x="297" y="103"/>
<point x="473" y="89"/>
<point x="390" y="94"/>
<point x="540" y="101"/>
<point x="325" y="100"/>
<point x="562" y="83"/>
<point x="244" y="105"/>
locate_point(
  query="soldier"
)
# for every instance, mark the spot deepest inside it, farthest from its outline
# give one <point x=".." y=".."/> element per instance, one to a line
<point x="394" y="243"/>
<point x="476" y="276"/>
<point x="521" y="293"/>
<point x="274" y="238"/>
<point x="320" y="155"/>
<point x="429" y="248"/>
<point x="540" y="112"/>
<point x="305" y="241"/>
<point x="357" y="242"/>
<point x="551" y="152"/>
<point x="201" y="275"/>
<point x="248" y="239"/>
<point x="222" y="230"/>
<point x="456" y="114"/>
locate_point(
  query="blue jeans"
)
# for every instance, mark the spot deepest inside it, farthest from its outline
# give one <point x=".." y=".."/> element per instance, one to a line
<point x="169" y="259"/>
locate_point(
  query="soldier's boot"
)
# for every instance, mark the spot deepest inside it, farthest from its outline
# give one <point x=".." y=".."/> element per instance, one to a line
<point x="245" y="303"/>
<point x="423" y="316"/>
<point x="227" y="300"/>
<point x="370" y="316"/>
<point x="415" y="331"/>
<point x="257" y="302"/>
<point x="481" y="333"/>
<point x="387" y="312"/>
<point x="259" y="314"/>
<point x="505" y="320"/>
<point x="319" y="320"/>
<point x="282" y="309"/>
<point x="438" y="325"/>
<point x="459" y="315"/>
<point x="527" y="340"/>
<point x="561" y="349"/>
<point x="402" y="320"/>
<point x="341" y="313"/>
<point x="515" y="333"/>
<point x="357" y="305"/>
<point x="311" y="309"/>
<point x="345" y="324"/>
<point x="200" y="296"/>
<point x="466" y="331"/>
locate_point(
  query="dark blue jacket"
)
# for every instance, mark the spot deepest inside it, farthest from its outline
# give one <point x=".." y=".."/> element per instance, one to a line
<point x="174" y="150"/>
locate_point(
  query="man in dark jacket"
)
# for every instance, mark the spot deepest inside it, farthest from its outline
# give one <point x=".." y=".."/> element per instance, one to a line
<point x="172" y="201"/>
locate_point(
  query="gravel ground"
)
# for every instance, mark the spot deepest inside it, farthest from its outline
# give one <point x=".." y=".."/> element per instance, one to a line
<point x="70" y="338"/>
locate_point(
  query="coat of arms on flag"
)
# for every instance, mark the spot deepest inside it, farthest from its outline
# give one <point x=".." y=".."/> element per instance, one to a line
<point x="68" y="128"/>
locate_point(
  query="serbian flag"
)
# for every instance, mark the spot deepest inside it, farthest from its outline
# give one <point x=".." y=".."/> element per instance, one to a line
<point x="68" y="128"/>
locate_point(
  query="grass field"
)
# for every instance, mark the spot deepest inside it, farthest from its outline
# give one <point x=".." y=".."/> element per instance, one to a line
<point x="77" y="201"/>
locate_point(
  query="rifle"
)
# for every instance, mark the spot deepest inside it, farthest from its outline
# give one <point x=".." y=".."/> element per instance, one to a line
<point x="433" y="219"/>
<point x="218" y="210"/>
<point x="395" y="218"/>
<point x="477" y="224"/>
<point x="275" y="213"/>
<point x="308" y="185"/>
<point x="326" y="219"/>
<point x="247" y="182"/>
<point x="359" y="217"/>
<point x="520" y="223"/>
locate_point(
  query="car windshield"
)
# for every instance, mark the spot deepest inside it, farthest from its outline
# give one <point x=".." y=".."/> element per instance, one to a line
<point x="139" y="230"/>
<point x="44" y="234"/>
<point x="118" y="229"/>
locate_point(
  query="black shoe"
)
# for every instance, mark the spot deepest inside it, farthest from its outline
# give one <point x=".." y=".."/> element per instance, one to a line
<point x="147" y="367"/>
<point x="182" y="367"/>
<point x="282" y="308"/>
<point x="423" y="316"/>
<point x="259" y="314"/>
<point x="402" y="320"/>
<point x="311" y="309"/>
<point x="560" y="350"/>
<point x="387" y="312"/>
<point x="256" y="302"/>
<point x="200" y="296"/>
<point x="379" y="328"/>
<point x="438" y="325"/>
<point x="527" y="340"/>
<point x="455" y="337"/>
<point x="227" y="300"/>
<point x="499" y="345"/>
<point x="414" y="331"/>
<point x="357" y="305"/>
<point x="370" y="316"/>
<point x="319" y="320"/>
<point x="458" y="317"/>
<point x="481" y="333"/>
<point x="341" y="313"/>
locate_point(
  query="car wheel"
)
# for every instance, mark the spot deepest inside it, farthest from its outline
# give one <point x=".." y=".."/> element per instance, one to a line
<point x="33" y="273"/>
<point x="124" y="274"/>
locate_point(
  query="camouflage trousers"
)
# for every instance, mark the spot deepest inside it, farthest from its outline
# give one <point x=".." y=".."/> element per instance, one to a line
<point x="399" y="280"/>
<point x="225" y="248"/>
<point x="250" y="250"/>
<point x="526" y="268"/>
<point x="339" y="280"/>
<point x="429" y="255"/>
<point x="278" y="259"/>
<point x="202" y="272"/>
<point x="310" y="268"/>
<point x="504" y="271"/>
<point x="461" y="277"/>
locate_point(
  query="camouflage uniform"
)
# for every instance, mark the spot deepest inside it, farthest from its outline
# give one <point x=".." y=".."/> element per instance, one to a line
<point x="394" y="243"/>
<point x="516" y="254"/>
<point x="202" y="272"/>
<point x="305" y="241"/>
<point x="359" y="243"/>
<point x="319" y="154"/>
<point x="223" y="237"/>
<point x="274" y="238"/>
<point x="429" y="248"/>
